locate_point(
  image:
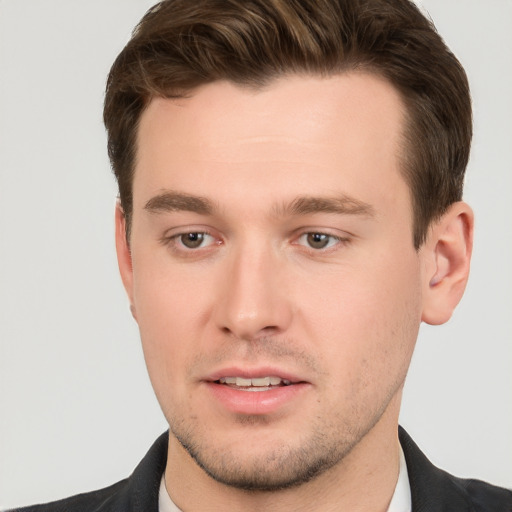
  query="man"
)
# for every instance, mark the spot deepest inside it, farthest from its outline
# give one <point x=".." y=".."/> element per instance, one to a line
<point x="290" y="179"/>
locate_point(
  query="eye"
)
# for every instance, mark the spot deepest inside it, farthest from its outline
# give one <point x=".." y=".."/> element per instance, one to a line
<point x="318" y="240"/>
<point x="194" y="240"/>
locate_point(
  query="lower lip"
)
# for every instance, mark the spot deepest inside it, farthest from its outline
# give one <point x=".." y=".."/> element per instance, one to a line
<point x="256" y="402"/>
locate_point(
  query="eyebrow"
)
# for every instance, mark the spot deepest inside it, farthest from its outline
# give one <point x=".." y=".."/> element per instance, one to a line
<point x="340" y="204"/>
<point x="172" y="201"/>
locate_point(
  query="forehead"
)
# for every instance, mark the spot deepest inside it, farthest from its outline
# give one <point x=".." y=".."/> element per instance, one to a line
<point x="297" y="130"/>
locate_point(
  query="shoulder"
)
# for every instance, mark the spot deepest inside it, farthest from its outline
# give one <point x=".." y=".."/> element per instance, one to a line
<point x="433" y="489"/>
<point x="102" y="500"/>
<point x="137" y="493"/>
<point x="483" y="496"/>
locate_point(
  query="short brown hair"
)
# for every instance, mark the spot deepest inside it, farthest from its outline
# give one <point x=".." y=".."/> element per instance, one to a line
<point x="181" y="44"/>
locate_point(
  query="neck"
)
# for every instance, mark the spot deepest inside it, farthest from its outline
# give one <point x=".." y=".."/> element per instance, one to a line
<point x="363" y="481"/>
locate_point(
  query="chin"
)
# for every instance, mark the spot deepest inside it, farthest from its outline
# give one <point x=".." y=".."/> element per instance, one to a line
<point x="270" y="466"/>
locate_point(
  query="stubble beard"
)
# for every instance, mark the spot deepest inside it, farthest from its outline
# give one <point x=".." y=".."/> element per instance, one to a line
<point x="284" y="463"/>
<point x="277" y="468"/>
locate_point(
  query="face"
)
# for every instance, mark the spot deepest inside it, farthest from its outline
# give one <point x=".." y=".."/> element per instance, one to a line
<point x="272" y="272"/>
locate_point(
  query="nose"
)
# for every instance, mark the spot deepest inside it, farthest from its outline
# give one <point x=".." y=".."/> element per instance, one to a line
<point x="253" y="299"/>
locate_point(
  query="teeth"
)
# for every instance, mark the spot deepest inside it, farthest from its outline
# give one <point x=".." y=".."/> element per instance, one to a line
<point x="263" y="381"/>
<point x="256" y="382"/>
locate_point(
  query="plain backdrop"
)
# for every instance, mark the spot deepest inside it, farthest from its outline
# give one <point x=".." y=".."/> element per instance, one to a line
<point x="77" y="411"/>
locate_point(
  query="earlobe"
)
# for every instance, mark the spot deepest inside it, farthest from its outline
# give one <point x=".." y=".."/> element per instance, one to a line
<point x="124" y="257"/>
<point x="448" y="254"/>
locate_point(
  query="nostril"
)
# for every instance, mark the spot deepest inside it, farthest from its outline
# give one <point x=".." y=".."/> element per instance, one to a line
<point x="266" y="331"/>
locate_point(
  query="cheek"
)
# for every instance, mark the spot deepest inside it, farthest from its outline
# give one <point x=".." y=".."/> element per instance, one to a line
<point x="366" y="317"/>
<point x="166" y="296"/>
<point x="169" y="316"/>
<point x="166" y="324"/>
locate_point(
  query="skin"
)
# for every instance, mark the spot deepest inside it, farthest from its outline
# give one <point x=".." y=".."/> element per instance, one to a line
<point x="259" y="293"/>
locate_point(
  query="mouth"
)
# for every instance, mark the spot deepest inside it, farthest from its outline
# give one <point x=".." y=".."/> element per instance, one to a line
<point x="257" y="384"/>
<point x="255" y="391"/>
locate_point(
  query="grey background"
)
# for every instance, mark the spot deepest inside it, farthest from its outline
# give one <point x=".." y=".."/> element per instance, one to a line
<point x="76" y="408"/>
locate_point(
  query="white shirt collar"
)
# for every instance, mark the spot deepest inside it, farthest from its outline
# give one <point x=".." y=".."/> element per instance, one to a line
<point x="400" y="502"/>
<point x="165" y="504"/>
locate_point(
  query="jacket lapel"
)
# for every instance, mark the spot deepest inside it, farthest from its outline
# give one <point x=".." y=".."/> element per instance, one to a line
<point x="432" y="489"/>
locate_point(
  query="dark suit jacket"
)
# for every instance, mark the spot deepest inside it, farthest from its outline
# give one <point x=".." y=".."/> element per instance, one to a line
<point x="432" y="489"/>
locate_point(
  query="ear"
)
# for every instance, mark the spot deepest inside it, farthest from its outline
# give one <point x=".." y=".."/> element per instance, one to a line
<point x="447" y="258"/>
<point x="124" y="256"/>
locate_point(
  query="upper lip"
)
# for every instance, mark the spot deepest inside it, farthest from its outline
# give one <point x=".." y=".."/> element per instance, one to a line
<point x="253" y="373"/>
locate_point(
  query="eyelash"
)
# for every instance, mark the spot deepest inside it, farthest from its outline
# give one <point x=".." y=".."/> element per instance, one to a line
<point x="333" y="241"/>
<point x="174" y="240"/>
<point x="337" y="240"/>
